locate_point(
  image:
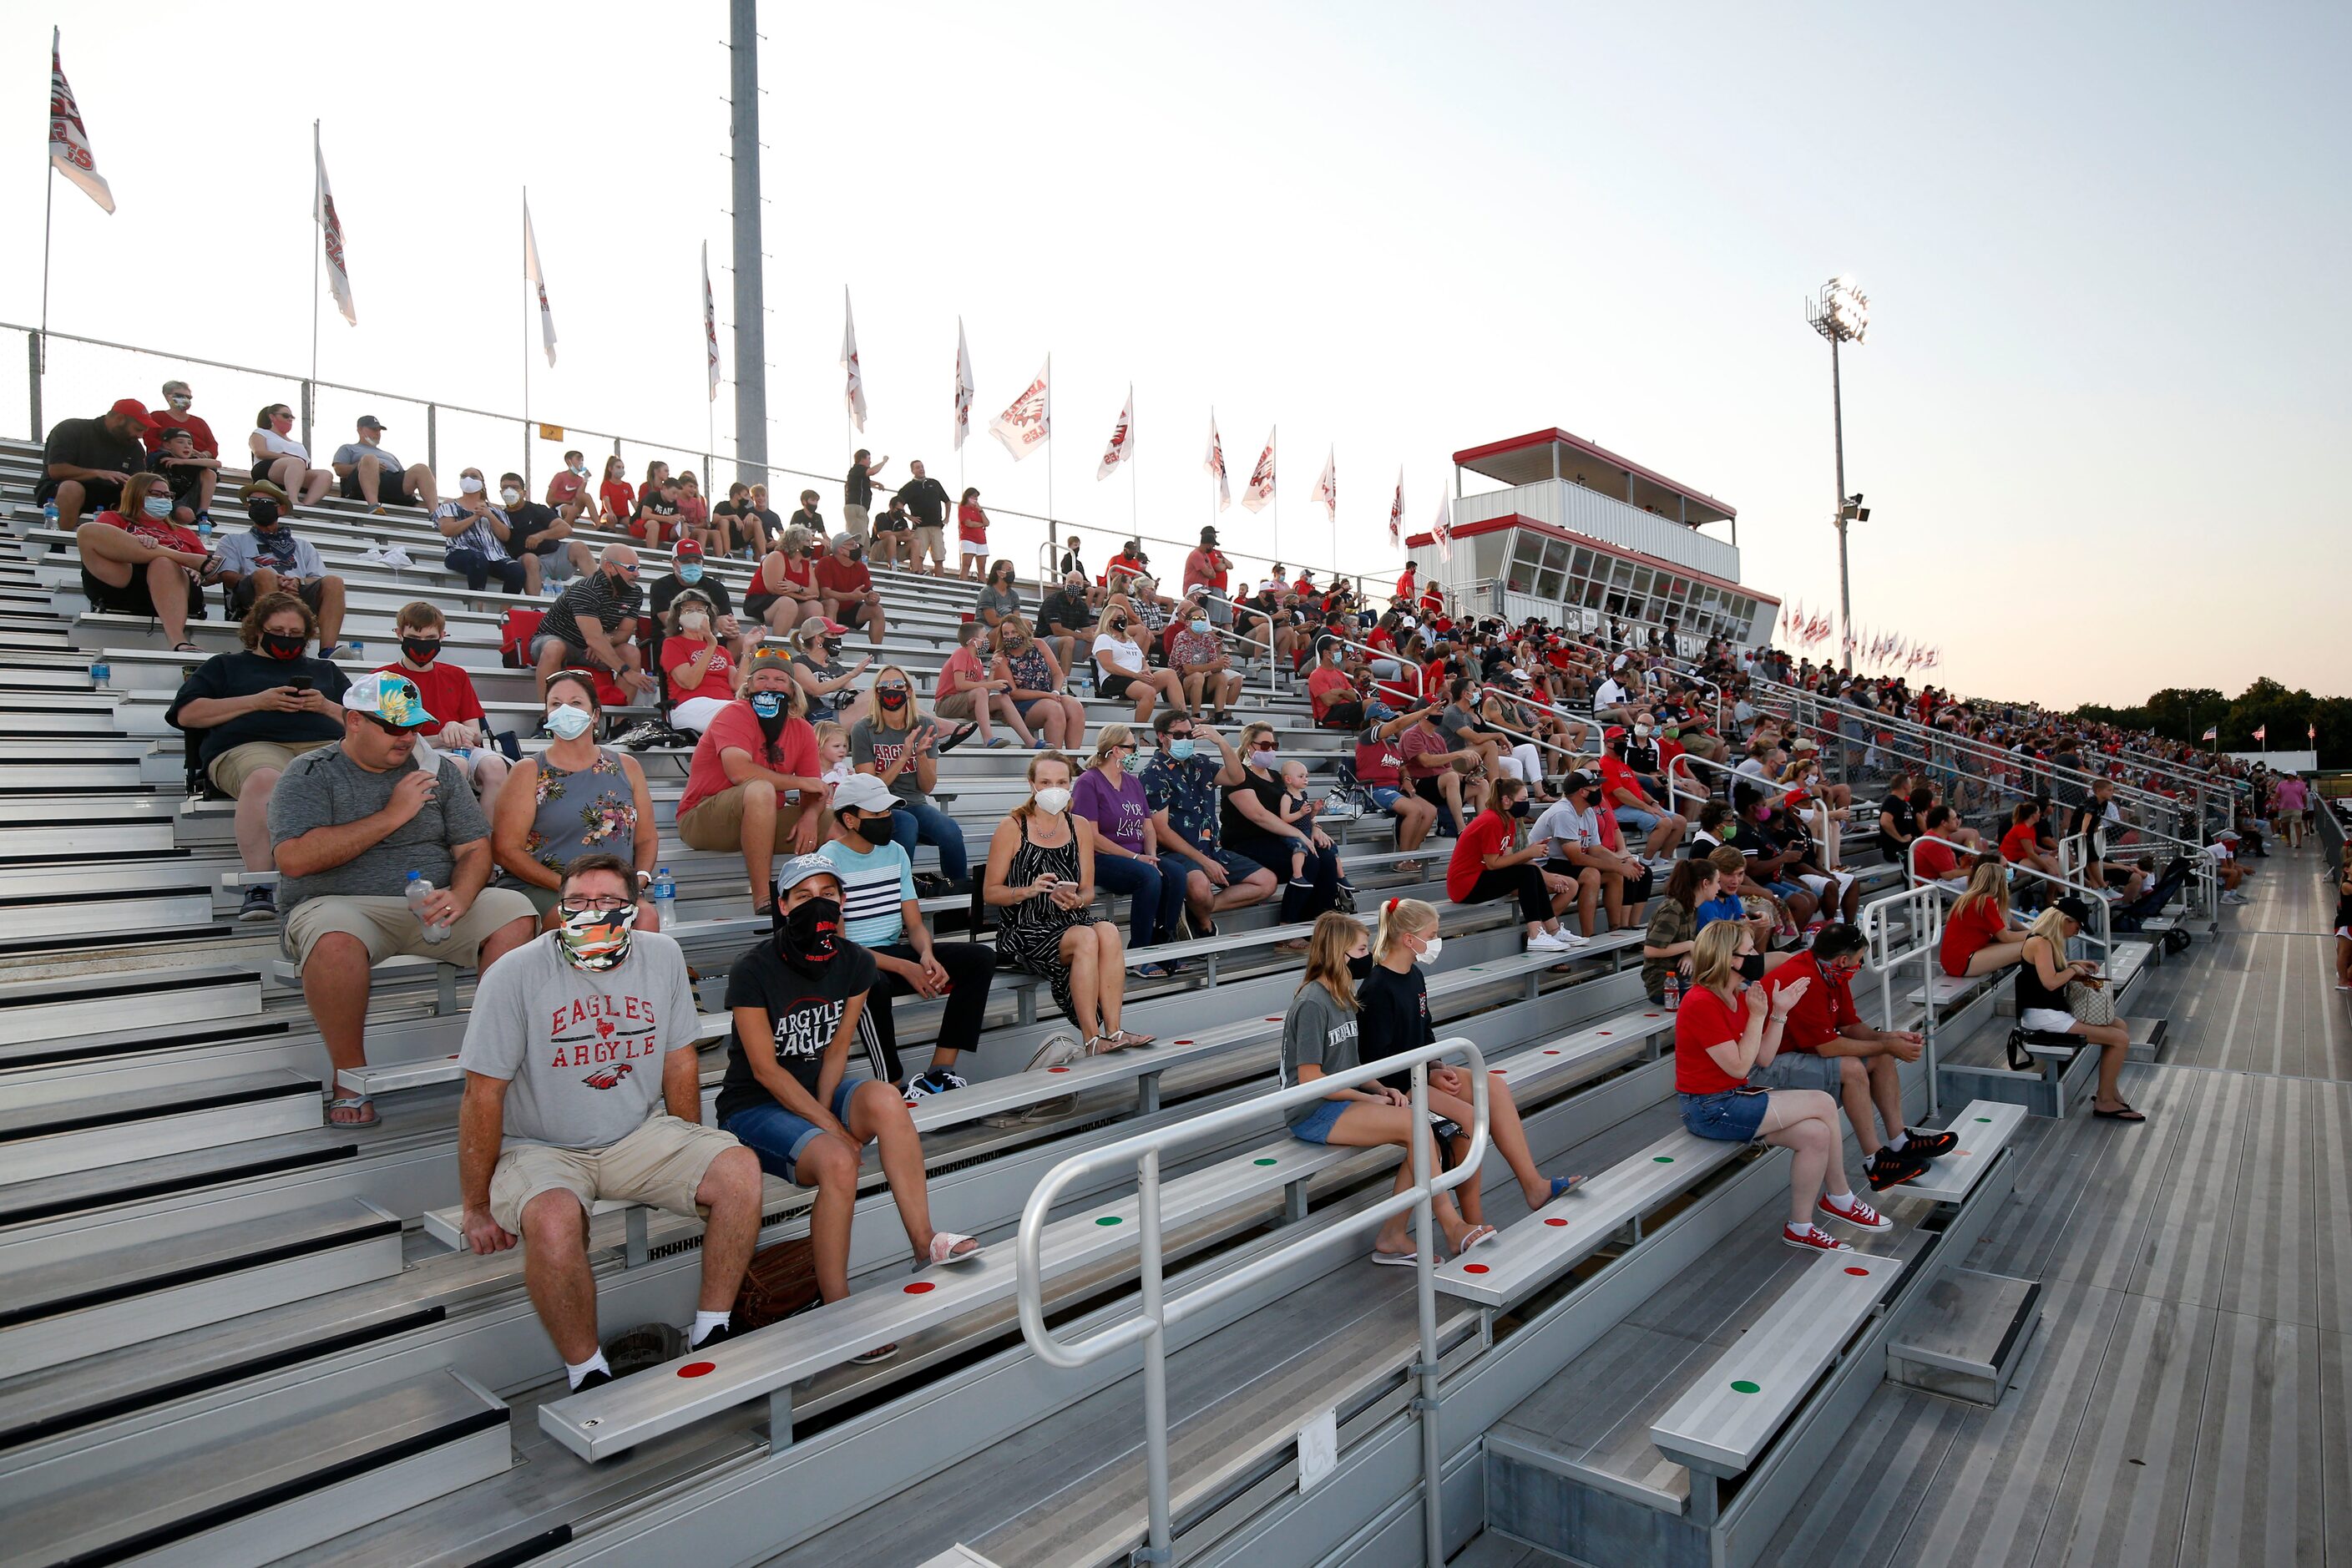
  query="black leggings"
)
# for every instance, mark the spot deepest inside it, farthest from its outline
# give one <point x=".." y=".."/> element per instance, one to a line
<point x="1525" y="880"/>
<point x="970" y="968"/>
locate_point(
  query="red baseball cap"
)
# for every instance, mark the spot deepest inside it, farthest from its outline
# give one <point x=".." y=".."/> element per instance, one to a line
<point x="688" y="549"/>
<point x="131" y="409"/>
<point x="1615" y="731"/>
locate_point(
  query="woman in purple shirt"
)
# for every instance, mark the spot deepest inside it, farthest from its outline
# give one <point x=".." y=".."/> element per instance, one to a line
<point x="1127" y="841"/>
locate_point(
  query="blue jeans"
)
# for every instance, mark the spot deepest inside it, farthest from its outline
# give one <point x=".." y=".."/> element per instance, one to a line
<point x="926" y="824"/>
<point x="777" y="1136"/>
<point x="478" y="570"/>
<point x="1156" y="893"/>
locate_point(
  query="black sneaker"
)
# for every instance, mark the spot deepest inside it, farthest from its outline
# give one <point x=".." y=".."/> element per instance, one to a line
<point x="1930" y="1145"/>
<point x="719" y="1335"/>
<point x="1891" y="1168"/>
<point x="937" y="1080"/>
<point x="596" y="1378"/>
<point x="260" y="904"/>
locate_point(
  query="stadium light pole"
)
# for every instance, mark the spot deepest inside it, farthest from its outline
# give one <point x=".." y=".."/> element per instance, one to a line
<point x="750" y="303"/>
<point x="1841" y="313"/>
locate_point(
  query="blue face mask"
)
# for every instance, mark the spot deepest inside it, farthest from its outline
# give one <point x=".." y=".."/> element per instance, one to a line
<point x="1181" y="749"/>
<point x="767" y="704"/>
<point x="1200" y="628"/>
<point x="1135" y="762"/>
<point x="689" y="573"/>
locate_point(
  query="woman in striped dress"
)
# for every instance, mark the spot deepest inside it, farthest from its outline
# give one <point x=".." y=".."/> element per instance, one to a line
<point x="1041" y="872"/>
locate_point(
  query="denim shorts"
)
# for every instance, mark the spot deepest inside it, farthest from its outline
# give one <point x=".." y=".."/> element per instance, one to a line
<point x="1317" y="1128"/>
<point x="778" y="1135"/>
<point x="1799" y="1069"/>
<point x="1383" y="797"/>
<point x="1731" y="1117"/>
<point x="1634" y="817"/>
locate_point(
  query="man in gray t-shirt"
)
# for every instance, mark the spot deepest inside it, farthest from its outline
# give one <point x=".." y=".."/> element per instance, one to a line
<point x="347" y="824"/>
<point x="371" y="474"/>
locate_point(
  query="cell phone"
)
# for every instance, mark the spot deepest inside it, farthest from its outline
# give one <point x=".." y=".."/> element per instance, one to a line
<point x="299" y="682"/>
<point x="1049" y="883"/>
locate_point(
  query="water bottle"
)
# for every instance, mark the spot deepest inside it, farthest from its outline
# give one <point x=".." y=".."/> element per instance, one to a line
<point x="205" y="531"/>
<point x="1674" y="992"/>
<point x="665" y="899"/>
<point x="419" y="889"/>
<point x="359" y="650"/>
<point x="49" y="513"/>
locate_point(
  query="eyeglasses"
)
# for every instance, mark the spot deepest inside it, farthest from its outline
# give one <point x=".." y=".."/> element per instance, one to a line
<point x="593" y="906"/>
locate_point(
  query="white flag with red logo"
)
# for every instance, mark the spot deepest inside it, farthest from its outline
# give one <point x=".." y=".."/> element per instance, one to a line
<point x="855" y="390"/>
<point x="1260" y="489"/>
<point x="1396" y="513"/>
<point x="1442" y="531"/>
<point x="1029" y="423"/>
<point x="69" y="151"/>
<point x="331" y="234"/>
<point x="710" y="322"/>
<point x="1215" y="465"/>
<point x="1326" y="489"/>
<point x="531" y="271"/>
<point x="1123" y="438"/>
<point x="965" y="387"/>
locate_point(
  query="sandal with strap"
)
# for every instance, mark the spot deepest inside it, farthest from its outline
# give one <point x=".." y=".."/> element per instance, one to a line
<point x="2121" y="1113"/>
<point x="1101" y="1044"/>
<point x="944" y="1244"/>
<point x="361" y="1102"/>
<point x="1130" y="1040"/>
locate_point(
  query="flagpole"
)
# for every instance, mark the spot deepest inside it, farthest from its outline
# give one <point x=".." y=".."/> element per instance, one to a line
<point x="526" y="353"/>
<point x="49" y="206"/>
<point x="318" y="251"/>
<point x="1134" y="505"/>
<point x="1052" y="531"/>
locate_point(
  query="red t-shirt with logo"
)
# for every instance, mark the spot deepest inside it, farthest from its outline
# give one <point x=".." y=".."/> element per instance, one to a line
<point x="1826" y="1007"/>
<point x="737" y="728"/>
<point x="1705" y="1022"/>
<point x="1489" y="832"/>
<point x="565" y="487"/>
<point x="717" y="677"/>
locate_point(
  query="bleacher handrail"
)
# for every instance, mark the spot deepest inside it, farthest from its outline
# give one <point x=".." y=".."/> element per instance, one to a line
<point x="1157" y="1313"/>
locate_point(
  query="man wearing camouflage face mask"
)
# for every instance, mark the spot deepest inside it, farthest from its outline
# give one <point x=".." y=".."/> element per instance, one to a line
<point x="753" y="785"/>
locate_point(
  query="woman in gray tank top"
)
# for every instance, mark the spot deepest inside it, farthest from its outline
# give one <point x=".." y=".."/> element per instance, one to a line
<point x="573" y="798"/>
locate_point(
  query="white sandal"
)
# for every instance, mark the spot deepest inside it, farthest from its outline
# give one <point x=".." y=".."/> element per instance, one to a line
<point x="944" y="1244"/>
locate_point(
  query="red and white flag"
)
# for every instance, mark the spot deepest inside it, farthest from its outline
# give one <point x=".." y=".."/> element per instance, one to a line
<point x="1123" y="438"/>
<point x="2311" y="734"/>
<point x="1326" y="489"/>
<point x="1214" y="463"/>
<point x="331" y="232"/>
<point x="1396" y="513"/>
<point x="854" y="388"/>
<point x="531" y="273"/>
<point x="2214" y="733"/>
<point x="1260" y="489"/>
<point x="2262" y="733"/>
<point x="1442" y="531"/>
<point x="710" y="322"/>
<point x="965" y="387"/>
<point x="69" y="151"/>
<point x="1029" y="423"/>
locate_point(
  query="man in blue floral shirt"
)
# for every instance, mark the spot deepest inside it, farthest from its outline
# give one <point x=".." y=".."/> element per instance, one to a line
<point x="1182" y="788"/>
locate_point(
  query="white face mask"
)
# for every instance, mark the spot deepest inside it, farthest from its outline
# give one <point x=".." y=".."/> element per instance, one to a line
<point x="1430" y="949"/>
<point x="1265" y="760"/>
<point x="510" y="495"/>
<point x="569" y="724"/>
<point x="470" y="485"/>
<point x="693" y="621"/>
<point x="1053" y="801"/>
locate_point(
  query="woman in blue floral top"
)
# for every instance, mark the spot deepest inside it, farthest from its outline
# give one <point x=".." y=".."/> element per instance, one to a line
<point x="573" y="799"/>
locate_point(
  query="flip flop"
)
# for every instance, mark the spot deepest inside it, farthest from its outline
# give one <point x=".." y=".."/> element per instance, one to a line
<point x="1476" y="1235"/>
<point x="1565" y="1185"/>
<point x="353" y="1102"/>
<point x="1394" y="1259"/>
<point x="878" y="1353"/>
<point x="944" y="1244"/>
<point x="2123" y="1113"/>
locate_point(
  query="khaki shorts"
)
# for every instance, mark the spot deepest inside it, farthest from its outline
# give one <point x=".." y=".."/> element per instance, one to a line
<point x="1798" y="1069"/>
<point x="389" y="927"/>
<point x="956" y="704"/>
<point x="853" y="521"/>
<point x="932" y="540"/>
<point x="718" y="823"/>
<point x="229" y="770"/>
<point x="661" y="1164"/>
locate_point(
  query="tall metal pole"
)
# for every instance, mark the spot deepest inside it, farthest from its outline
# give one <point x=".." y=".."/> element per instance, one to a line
<point x="750" y="302"/>
<point x="41" y="349"/>
<point x="1845" y="590"/>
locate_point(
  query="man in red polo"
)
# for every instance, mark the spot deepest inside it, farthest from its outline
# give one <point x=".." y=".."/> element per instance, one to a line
<point x="1826" y="1046"/>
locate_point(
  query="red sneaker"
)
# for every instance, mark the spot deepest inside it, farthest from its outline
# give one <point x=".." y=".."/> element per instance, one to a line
<point x="1813" y="1238"/>
<point x="1860" y="1213"/>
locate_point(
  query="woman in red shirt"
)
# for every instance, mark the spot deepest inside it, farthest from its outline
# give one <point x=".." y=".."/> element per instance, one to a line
<point x="1977" y="936"/>
<point x="1719" y="1038"/>
<point x="1484" y="867"/>
<point x="617" y="498"/>
<point x="971" y="536"/>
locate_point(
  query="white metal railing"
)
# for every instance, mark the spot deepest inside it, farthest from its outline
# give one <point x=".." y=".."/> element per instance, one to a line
<point x="1157" y="1313"/>
<point x="1919" y="912"/>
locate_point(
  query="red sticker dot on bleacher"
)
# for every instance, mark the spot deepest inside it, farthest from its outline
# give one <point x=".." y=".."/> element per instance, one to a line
<point x="1274" y="1017"/>
<point x="1184" y="1042"/>
<point x="920" y="1287"/>
<point x="1648" y="1014"/>
<point x="697" y="1369"/>
<point x="1864" y="1272"/>
<point x="1498" y="1071"/>
<point x="1608" y="1032"/>
<point x="1057" y="1069"/>
<point x="1555" y="1220"/>
<point x="1473" y="1269"/>
<point x="1551" y="1053"/>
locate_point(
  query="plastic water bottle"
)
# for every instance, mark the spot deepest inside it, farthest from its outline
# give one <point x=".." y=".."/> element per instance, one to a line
<point x="665" y="899"/>
<point x="99" y="671"/>
<point x="49" y="512"/>
<point x="359" y="649"/>
<point x="419" y="889"/>
<point x="1674" y="993"/>
<point x="204" y="530"/>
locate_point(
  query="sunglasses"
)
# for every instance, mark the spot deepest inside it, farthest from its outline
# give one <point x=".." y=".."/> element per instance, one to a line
<point x="387" y="726"/>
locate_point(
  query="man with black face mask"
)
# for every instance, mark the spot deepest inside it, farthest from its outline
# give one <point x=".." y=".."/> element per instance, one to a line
<point x="846" y="588"/>
<point x="753" y="785"/>
<point x="880" y="914"/>
<point x="267" y="559"/>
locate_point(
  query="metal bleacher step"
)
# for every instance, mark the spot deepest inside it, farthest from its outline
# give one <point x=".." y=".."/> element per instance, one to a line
<point x="252" y="1482"/>
<point x="83" y="1295"/>
<point x="52" y="1138"/>
<point x="43" y="1013"/>
<point x="1966" y="1336"/>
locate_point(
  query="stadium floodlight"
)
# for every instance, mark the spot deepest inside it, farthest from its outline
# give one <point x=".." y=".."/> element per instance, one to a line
<point x="1841" y="313"/>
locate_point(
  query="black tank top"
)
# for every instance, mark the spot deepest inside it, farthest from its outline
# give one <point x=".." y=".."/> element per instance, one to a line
<point x="2031" y="993"/>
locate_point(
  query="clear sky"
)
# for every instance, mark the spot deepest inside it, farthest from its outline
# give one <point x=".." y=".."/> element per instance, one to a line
<point x="2105" y="245"/>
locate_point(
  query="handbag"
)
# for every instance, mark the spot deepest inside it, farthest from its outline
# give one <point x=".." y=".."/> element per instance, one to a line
<point x="781" y="1280"/>
<point x="2090" y="1003"/>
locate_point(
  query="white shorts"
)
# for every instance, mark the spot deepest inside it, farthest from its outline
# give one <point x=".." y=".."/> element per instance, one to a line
<point x="2048" y="1020"/>
<point x="972" y="549"/>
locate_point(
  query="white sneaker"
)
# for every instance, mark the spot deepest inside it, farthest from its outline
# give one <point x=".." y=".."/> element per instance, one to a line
<point x="1554" y="941"/>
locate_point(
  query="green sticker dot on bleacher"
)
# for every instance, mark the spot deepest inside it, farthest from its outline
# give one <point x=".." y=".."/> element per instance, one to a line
<point x="1662" y="1158"/>
<point x="1108" y="1219"/>
<point x="1741" y="1385"/>
<point x="1267" y="1161"/>
<point x="1984" y="1119"/>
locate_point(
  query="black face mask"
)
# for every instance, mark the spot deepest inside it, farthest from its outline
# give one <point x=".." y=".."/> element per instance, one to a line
<point x="1521" y="807"/>
<point x="889" y="698"/>
<point x="424" y="650"/>
<point x="1118" y="628"/>
<point x="1752" y="968"/>
<point x="277" y="645"/>
<point x="809" y="935"/>
<point x="263" y="512"/>
<point x="874" y="830"/>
